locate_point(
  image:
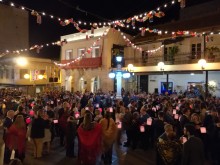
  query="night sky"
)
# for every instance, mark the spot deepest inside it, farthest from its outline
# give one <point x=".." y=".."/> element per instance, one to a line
<point x="86" y="10"/>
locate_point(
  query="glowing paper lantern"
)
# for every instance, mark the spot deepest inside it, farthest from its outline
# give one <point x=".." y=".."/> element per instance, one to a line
<point x="77" y="115"/>
<point x="142" y="129"/>
<point x="149" y="121"/>
<point x="31" y="113"/>
<point x="110" y="109"/>
<point x="203" y="129"/>
<point x="28" y="120"/>
<point x="100" y="109"/>
<point x="176" y="116"/>
<point x="97" y="105"/>
<point x="119" y="125"/>
<point x="177" y="108"/>
<point x="174" y="111"/>
<point x="55" y="121"/>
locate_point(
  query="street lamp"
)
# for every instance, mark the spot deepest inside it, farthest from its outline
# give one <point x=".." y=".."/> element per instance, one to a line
<point x="119" y="74"/>
<point x="202" y="63"/>
<point x="161" y="65"/>
<point x="21" y="61"/>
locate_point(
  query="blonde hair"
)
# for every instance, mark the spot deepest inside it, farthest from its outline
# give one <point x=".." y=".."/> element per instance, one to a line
<point x="19" y="122"/>
<point x="87" y="121"/>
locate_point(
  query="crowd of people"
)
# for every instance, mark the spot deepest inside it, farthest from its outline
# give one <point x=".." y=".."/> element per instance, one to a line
<point x="181" y="130"/>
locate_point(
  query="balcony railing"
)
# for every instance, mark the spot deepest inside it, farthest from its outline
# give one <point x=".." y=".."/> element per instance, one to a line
<point x="83" y="63"/>
<point x="183" y="58"/>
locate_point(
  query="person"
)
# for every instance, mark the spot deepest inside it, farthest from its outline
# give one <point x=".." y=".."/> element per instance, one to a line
<point x="15" y="162"/>
<point x="89" y="148"/>
<point x="16" y="137"/>
<point x="193" y="150"/>
<point x="168" y="148"/>
<point x="37" y="133"/>
<point x="6" y="125"/>
<point x="70" y="136"/>
<point x="109" y="134"/>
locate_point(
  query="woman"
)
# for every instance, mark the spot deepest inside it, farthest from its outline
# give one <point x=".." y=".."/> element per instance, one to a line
<point x="109" y="133"/>
<point x="89" y="136"/>
<point x="16" y="137"/>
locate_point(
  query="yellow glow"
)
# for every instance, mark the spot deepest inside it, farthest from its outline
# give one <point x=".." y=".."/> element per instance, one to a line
<point x="161" y="65"/>
<point x="130" y="67"/>
<point x="26" y="76"/>
<point x="21" y="61"/>
<point x="40" y="77"/>
<point x="202" y="63"/>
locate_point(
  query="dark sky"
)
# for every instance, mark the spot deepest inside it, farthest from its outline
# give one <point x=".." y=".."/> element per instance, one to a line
<point x="90" y="10"/>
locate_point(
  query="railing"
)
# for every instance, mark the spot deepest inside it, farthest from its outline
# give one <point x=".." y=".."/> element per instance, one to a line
<point x="83" y="63"/>
<point x="183" y="58"/>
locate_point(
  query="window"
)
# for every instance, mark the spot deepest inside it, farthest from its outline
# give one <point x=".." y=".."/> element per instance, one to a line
<point x="196" y="50"/>
<point x="69" y="54"/>
<point x="144" y="56"/>
<point x="23" y="72"/>
<point x="7" y="74"/>
<point x="1" y="74"/>
<point x="95" y="51"/>
<point x="166" y="56"/>
<point x="80" y="52"/>
<point x="12" y="74"/>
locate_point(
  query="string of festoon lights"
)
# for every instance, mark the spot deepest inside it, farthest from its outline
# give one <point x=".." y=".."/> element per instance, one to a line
<point x="64" y="22"/>
<point x="88" y="51"/>
<point x="34" y="47"/>
<point x="130" y="44"/>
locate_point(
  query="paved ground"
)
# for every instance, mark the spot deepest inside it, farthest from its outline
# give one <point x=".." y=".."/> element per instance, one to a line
<point x="122" y="156"/>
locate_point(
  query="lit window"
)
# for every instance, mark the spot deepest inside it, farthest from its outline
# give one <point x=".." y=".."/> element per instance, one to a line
<point x="95" y="51"/>
<point x="81" y="52"/>
<point x="69" y="54"/>
<point x="23" y="72"/>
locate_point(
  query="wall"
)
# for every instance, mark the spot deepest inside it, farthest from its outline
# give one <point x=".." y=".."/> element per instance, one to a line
<point x="14" y="31"/>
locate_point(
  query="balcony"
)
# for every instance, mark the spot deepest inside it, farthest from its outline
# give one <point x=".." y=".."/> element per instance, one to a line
<point x="83" y="63"/>
<point x="183" y="58"/>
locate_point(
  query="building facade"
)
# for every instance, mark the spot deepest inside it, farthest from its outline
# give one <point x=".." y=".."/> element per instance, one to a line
<point x="29" y="74"/>
<point x="86" y="60"/>
<point x="198" y="38"/>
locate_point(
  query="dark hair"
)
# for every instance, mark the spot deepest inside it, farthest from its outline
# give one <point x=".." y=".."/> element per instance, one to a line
<point x="190" y="128"/>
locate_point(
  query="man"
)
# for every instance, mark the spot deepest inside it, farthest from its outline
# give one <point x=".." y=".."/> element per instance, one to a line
<point x="193" y="151"/>
<point x="7" y="124"/>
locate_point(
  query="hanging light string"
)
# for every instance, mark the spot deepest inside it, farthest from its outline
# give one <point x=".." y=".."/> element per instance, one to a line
<point x="88" y="51"/>
<point x="63" y="21"/>
<point x="174" y="34"/>
<point x="127" y="40"/>
<point x="130" y="44"/>
<point x="34" y="47"/>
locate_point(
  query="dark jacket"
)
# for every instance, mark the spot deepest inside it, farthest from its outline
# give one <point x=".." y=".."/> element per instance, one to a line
<point x="193" y="152"/>
<point x="37" y="128"/>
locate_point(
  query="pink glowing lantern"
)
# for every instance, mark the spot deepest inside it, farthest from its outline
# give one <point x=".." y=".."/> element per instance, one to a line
<point x="100" y="109"/>
<point x="28" y="120"/>
<point x="110" y="109"/>
<point x="176" y="116"/>
<point x="97" y="105"/>
<point x="119" y="125"/>
<point x="55" y="121"/>
<point x="149" y="121"/>
<point x="31" y="113"/>
<point x="174" y="111"/>
<point x="142" y="129"/>
<point x="77" y="115"/>
<point x="203" y="129"/>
